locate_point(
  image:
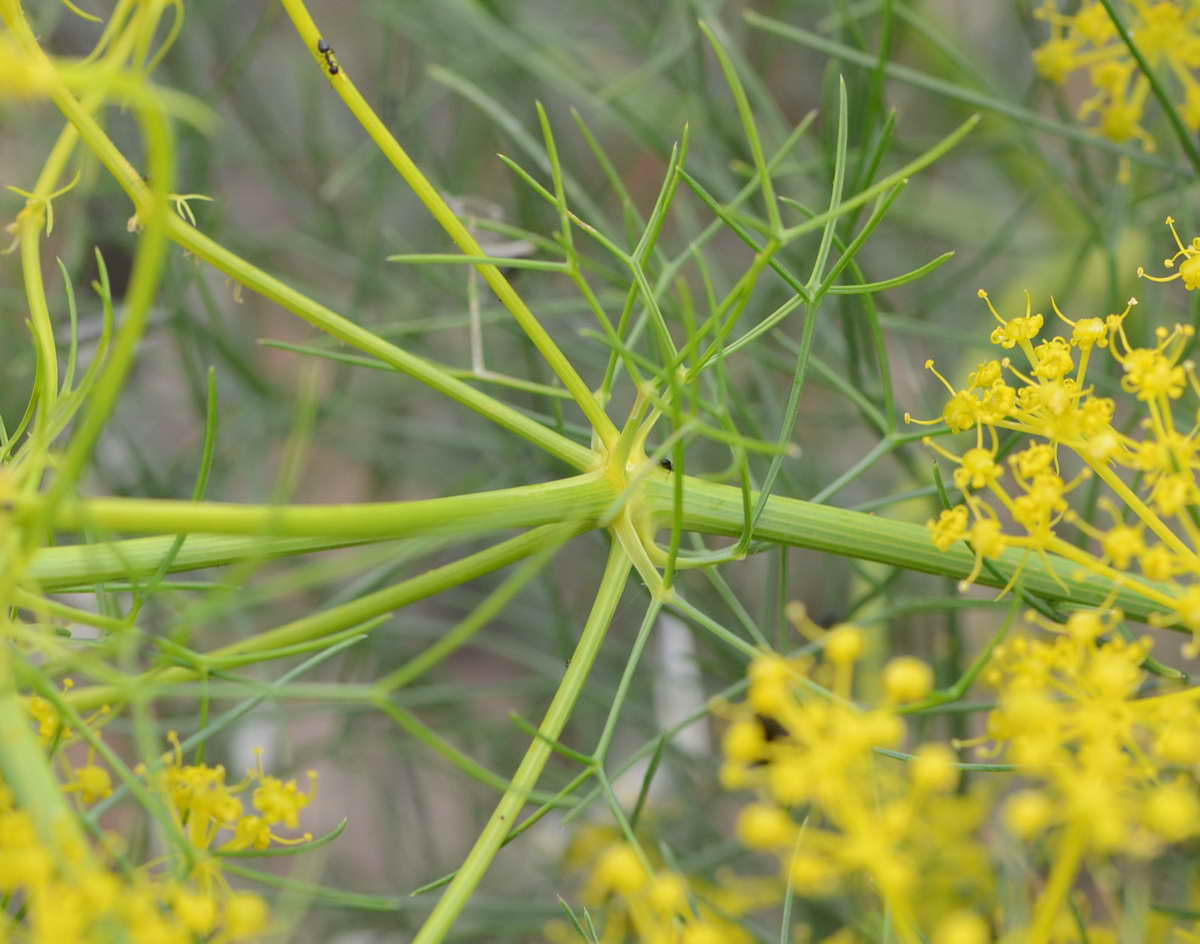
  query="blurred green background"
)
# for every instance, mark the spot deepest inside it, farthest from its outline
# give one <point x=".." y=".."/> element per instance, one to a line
<point x="299" y="190"/>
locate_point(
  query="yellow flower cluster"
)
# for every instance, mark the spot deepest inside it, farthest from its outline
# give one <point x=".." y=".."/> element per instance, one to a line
<point x="82" y="901"/>
<point x="206" y="806"/>
<point x="1110" y="773"/>
<point x="1116" y="770"/>
<point x="1024" y="502"/>
<point x="652" y="904"/>
<point x="1166" y="33"/>
<point x="903" y="829"/>
<point x="58" y="896"/>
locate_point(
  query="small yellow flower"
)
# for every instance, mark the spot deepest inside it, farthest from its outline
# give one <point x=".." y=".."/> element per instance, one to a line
<point x="1014" y="331"/>
<point x="668" y="894"/>
<point x="962" y="927"/>
<point x="1178" y="743"/>
<point x="1173" y="811"/>
<point x="907" y="680"/>
<point x="810" y="874"/>
<point x="764" y="826"/>
<point x="845" y="644"/>
<point x="281" y="802"/>
<point x="245" y="916"/>
<point x="1028" y="813"/>
<point x="1158" y="563"/>
<point x="197" y="912"/>
<point x="935" y="768"/>
<point x="621" y="870"/>
<point x="771" y="680"/>
<point x="988" y="539"/>
<point x="744" y="741"/>
<point x="790" y="780"/>
<point x="1055" y="59"/>
<point x="93" y="783"/>
<point x="978" y="469"/>
<point x="1189" y="270"/>
<point x="700" y="932"/>
<point x="949" y="527"/>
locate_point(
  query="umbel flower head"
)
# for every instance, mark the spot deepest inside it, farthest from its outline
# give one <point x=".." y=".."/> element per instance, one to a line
<point x="834" y="811"/>
<point x="85" y="900"/>
<point x="1110" y="770"/>
<point x="1113" y="765"/>
<point x="1110" y="764"/>
<point x="207" y="806"/>
<point x="1148" y="545"/>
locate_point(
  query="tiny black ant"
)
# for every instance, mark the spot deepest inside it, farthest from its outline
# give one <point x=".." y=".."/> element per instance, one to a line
<point x="666" y="464"/>
<point x="772" y="729"/>
<point x="326" y="52"/>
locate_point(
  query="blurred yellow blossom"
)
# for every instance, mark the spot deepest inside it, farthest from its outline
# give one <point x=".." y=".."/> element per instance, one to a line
<point x="1166" y="33"/>
<point x="633" y="897"/>
<point x="865" y="816"/>
<point x="1111" y="770"/>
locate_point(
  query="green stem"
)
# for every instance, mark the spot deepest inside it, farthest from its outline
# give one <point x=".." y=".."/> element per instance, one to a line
<point x="73" y="566"/>
<point x="30" y="224"/>
<point x="1130" y="498"/>
<point x="1022" y="117"/>
<point x="718" y="509"/>
<point x="1066" y="866"/>
<point x="346" y="330"/>
<point x="440" y="210"/>
<point x="471" y="872"/>
<point x="578" y="498"/>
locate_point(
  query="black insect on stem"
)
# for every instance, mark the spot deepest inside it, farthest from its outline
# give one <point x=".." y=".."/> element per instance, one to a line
<point x="666" y="464"/>
<point x="326" y="53"/>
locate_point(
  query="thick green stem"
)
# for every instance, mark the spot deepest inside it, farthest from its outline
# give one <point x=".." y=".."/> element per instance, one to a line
<point x="469" y="875"/>
<point x="718" y="509"/>
<point x="707" y="508"/>
<point x="579" y="498"/>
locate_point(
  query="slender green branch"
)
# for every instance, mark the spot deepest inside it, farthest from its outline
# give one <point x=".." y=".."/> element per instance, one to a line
<point x="471" y="872"/>
<point x="453" y="226"/>
<point x="336" y="619"/>
<point x="72" y="566"/>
